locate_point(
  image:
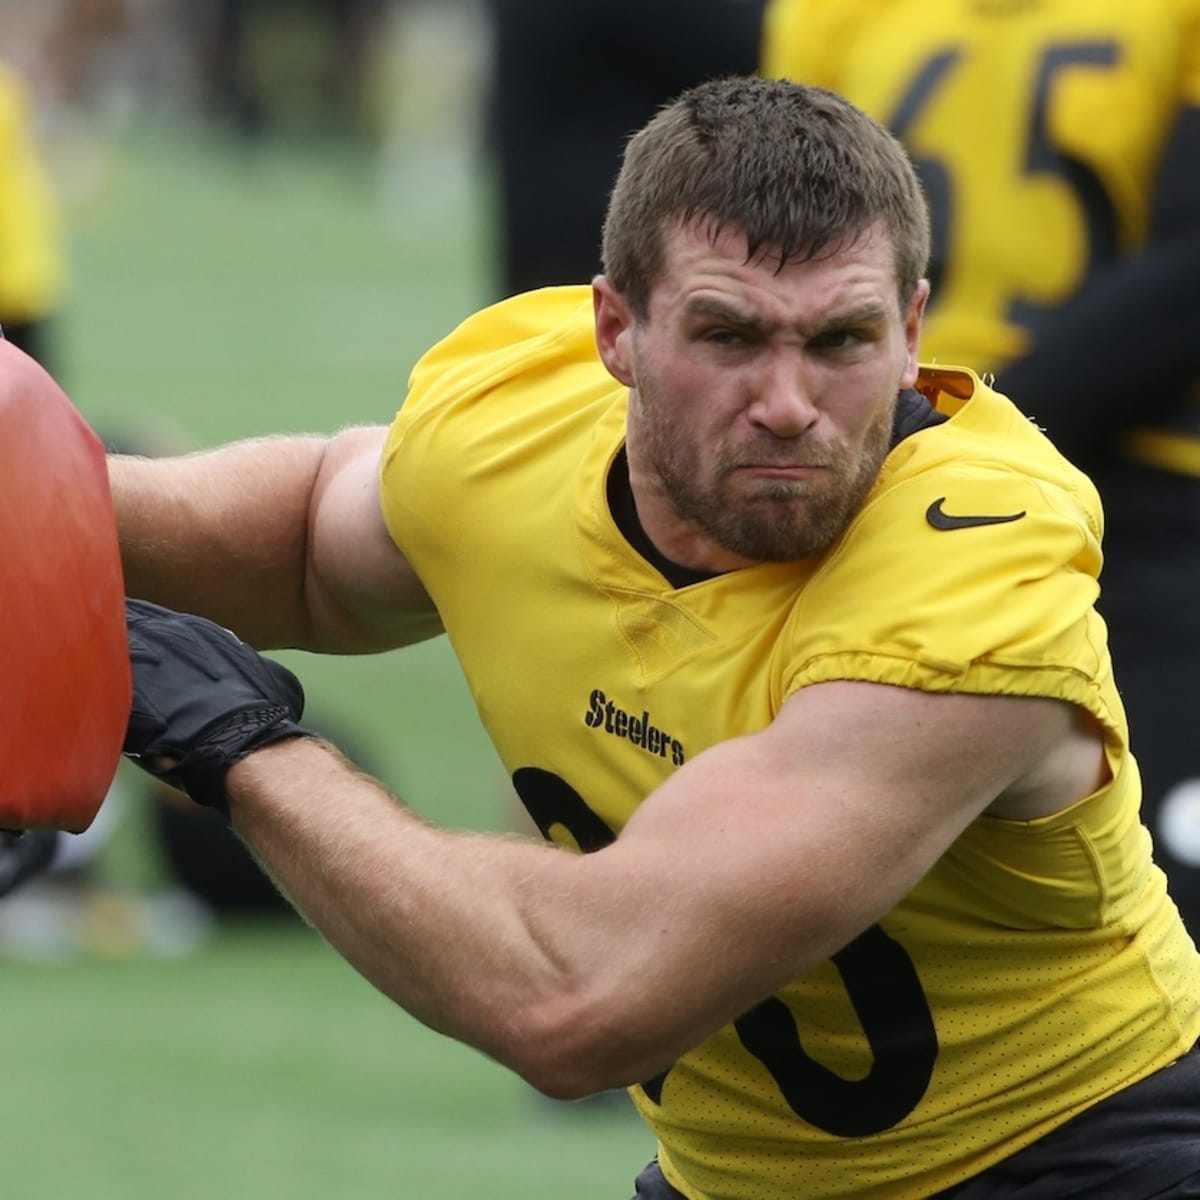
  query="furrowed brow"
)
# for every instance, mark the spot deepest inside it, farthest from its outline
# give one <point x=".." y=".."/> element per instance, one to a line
<point x="726" y="314"/>
<point x="855" y="318"/>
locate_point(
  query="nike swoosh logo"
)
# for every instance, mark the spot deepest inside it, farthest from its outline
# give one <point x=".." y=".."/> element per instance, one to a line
<point x="941" y="519"/>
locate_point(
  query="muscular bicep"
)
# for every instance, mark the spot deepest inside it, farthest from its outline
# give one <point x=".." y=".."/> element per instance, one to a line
<point x="361" y="592"/>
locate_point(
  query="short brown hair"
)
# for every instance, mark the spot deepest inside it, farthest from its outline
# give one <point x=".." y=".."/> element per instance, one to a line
<point x="797" y="169"/>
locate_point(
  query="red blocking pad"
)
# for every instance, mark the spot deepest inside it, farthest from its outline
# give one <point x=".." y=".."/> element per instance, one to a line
<point x="64" y="660"/>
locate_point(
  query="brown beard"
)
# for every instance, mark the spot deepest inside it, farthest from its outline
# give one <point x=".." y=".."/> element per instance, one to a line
<point x="781" y="520"/>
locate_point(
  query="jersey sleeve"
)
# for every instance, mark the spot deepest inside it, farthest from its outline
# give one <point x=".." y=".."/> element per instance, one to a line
<point x="479" y="402"/>
<point x="997" y="608"/>
<point x="500" y="342"/>
<point x="522" y="338"/>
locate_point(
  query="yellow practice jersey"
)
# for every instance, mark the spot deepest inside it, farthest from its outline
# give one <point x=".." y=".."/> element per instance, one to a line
<point x="1038" y="127"/>
<point x="1037" y="968"/>
<point x="32" y="257"/>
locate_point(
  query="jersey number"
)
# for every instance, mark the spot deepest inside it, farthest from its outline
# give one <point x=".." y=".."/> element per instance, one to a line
<point x="880" y="981"/>
<point x="1041" y="157"/>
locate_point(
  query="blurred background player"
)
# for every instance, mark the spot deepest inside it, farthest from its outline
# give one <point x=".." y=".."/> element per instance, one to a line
<point x="332" y="47"/>
<point x="569" y="85"/>
<point x="1059" y="144"/>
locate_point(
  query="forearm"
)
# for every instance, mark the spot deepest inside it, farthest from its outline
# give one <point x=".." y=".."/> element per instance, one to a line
<point x="524" y="951"/>
<point x="223" y="533"/>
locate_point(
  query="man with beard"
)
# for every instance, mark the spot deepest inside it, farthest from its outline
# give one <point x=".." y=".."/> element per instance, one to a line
<point x="793" y="638"/>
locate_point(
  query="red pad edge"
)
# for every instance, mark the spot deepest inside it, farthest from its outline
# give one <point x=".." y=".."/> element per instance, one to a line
<point x="65" y="688"/>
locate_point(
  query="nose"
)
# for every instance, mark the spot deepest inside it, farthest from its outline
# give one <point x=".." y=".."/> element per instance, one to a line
<point x="782" y="400"/>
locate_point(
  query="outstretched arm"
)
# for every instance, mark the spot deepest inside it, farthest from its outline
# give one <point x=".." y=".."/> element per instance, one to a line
<point x="584" y="973"/>
<point x="280" y="539"/>
<point x="587" y="972"/>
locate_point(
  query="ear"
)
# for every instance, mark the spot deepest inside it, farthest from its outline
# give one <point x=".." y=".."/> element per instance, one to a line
<point x="912" y="331"/>
<point x="614" y="329"/>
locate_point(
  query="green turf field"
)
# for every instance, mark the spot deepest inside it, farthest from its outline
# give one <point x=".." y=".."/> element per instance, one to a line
<point x="220" y="296"/>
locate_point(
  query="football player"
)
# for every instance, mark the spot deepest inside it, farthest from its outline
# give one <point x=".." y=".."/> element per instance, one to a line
<point x="794" y="638"/>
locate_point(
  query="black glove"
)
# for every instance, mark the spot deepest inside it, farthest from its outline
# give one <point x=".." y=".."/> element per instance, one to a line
<point x="203" y="698"/>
